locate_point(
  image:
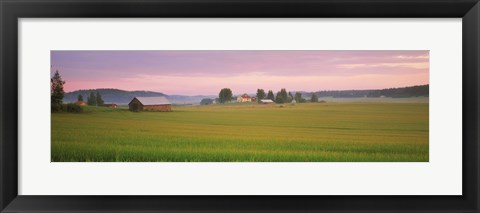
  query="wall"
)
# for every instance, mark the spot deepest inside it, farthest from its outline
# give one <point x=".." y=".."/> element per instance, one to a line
<point x="165" y="107"/>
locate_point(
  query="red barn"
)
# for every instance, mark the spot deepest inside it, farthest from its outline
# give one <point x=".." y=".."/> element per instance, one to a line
<point x="150" y="104"/>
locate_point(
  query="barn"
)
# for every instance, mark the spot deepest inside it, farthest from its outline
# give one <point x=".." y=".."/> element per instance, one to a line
<point x="150" y="104"/>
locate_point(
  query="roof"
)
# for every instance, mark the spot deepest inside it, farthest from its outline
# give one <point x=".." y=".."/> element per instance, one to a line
<point x="160" y="100"/>
<point x="245" y="96"/>
<point x="266" y="101"/>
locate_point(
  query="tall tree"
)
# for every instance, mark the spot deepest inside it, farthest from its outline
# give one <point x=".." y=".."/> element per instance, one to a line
<point x="282" y="96"/>
<point x="92" y="100"/>
<point x="225" y="95"/>
<point x="270" y="95"/>
<point x="260" y="94"/>
<point x="298" y="97"/>
<point x="99" y="99"/>
<point x="290" y="98"/>
<point x="314" y="98"/>
<point x="279" y="99"/>
<point x="80" y="97"/>
<point x="56" y="91"/>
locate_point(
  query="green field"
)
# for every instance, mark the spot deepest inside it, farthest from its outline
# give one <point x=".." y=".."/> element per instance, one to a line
<point x="310" y="132"/>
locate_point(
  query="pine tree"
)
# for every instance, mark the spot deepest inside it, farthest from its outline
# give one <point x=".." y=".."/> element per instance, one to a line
<point x="56" y="91"/>
<point x="80" y="97"/>
<point x="290" y="98"/>
<point x="92" y="100"/>
<point x="260" y="94"/>
<point x="100" y="101"/>
<point x="270" y="95"/>
<point x="279" y="99"/>
<point x="282" y="96"/>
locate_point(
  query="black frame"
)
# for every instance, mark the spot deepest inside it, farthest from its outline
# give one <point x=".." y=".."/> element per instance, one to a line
<point x="11" y="10"/>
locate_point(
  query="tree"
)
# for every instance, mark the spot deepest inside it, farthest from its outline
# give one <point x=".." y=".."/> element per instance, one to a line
<point x="99" y="99"/>
<point x="270" y="95"/>
<point x="56" y="91"/>
<point x="314" y="98"/>
<point x="282" y="96"/>
<point x="225" y="95"/>
<point x="290" y="98"/>
<point x="80" y="97"/>
<point x="298" y="98"/>
<point x="279" y="99"/>
<point x="260" y="94"/>
<point x="92" y="100"/>
<point x="206" y="101"/>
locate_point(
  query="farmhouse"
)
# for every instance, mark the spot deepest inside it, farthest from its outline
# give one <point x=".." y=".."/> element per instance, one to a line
<point x="266" y="101"/>
<point x="244" y="98"/>
<point x="150" y="104"/>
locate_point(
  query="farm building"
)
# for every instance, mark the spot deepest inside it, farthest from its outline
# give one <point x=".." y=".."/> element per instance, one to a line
<point x="266" y="101"/>
<point x="244" y="98"/>
<point x="150" y="104"/>
<point x="80" y="103"/>
<point x="110" y="105"/>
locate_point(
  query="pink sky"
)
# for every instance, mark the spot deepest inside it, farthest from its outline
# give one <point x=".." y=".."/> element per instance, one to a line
<point x="206" y="72"/>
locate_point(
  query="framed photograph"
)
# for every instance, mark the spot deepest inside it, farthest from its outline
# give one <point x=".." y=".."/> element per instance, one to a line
<point x="251" y="106"/>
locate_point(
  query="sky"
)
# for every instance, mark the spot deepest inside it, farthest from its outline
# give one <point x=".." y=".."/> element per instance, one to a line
<point x="206" y="72"/>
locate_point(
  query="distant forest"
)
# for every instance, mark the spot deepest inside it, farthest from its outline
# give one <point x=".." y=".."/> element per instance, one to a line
<point x="123" y="97"/>
<point x="110" y="95"/>
<point x="403" y="92"/>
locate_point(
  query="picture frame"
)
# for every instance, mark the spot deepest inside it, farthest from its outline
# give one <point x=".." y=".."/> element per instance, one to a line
<point x="10" y="201"/>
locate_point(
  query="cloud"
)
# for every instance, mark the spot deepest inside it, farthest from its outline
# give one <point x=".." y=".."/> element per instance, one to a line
<point x="413" y="57"/>
<point x="420" y="65"/>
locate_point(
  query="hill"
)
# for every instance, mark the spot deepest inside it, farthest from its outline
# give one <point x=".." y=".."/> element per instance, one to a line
<point x="402" y="92"/>
<point x="124" y="97"/>
<point x="110" y="95"/>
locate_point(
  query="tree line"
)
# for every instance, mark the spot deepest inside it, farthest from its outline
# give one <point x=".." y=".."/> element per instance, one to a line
<point x="402" y="92"/>
<point x="283" y="96"/>
<point x="225" y="95"/>
<point x="93" y="99"/>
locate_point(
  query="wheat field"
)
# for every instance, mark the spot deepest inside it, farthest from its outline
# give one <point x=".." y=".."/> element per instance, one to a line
<point x="307" y="132"/>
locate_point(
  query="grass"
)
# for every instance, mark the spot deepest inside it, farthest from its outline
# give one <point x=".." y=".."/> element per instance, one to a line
<point x="310" y="132"/>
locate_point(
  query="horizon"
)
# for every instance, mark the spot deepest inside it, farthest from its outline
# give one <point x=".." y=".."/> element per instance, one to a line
<point x="235" y="94"/>
<point x="204" y="73"/>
